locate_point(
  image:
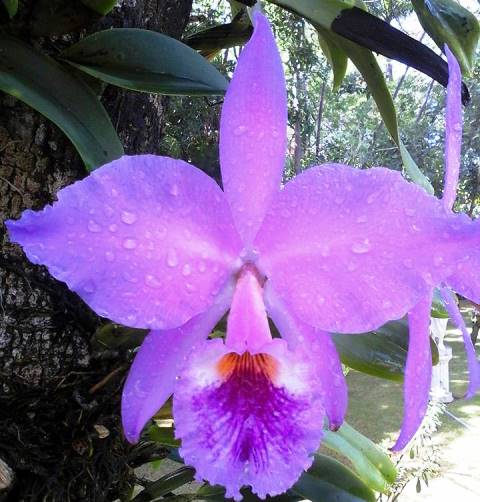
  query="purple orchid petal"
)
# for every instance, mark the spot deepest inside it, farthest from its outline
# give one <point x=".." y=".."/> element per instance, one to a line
<point x="247" y="321"/>
<point x="472" y="362"/>
<point x="321" y="351"/>
<point x="349" y="249"/>
<point x="453" y="130"/>
<point x="418" y="371"/>
<point x="253" y="131"/>
<point x="158" y="363"/>
<point x="146" y="241"/>
<point x="248" y="419"/>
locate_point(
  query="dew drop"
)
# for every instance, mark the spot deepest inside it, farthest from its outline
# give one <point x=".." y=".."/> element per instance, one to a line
<point x="409" y="211"/>
<point x="113" y="227"/>
<point x="94" y="227"/>
<point x="152" y="281"/>
<point x="320" y="300"/>
<point x="202" y="266"/>
<point x="371" y="198"/>
<point x="186" y="270"/>
<point x="109" y="256"/>
<point x="128" y="217"/>
<point x="361" y="247"/>
<point x="172" y="258"/>
<point x="457" y="127"/>
<point x="324" y="249"/>
<point x="129" y="243"/>
<point x="361" y="219"/>
<point x="408" y="263"/>
<point x="174" y="190"/>
<point x="437" y="260"/>
<point x="238" y="131"/>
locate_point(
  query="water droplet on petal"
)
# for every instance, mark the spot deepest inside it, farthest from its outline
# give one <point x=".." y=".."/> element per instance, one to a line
<point x="457" y="126"/>
<point x="408" y="263"/>
<point x="172" y="258"/>
<point x="109" y="256"/>
<point x="361" y="219"/>
<point x="128" y="217"/>
<point x="238" y="131"/>
<point x="437" y="260"/>
<point x="324" y="249"/>
<point x="362" y="246"/>
<point x="129" y="243"/>
<point x="113" y="227"/>
<point x="409" y="211"/>
<point x="187" y="270"/>
<point x="174" y="190"/>
<point x="152" y="281"/>
<point x="94" y="227"/>
<point x="202" y="266"/>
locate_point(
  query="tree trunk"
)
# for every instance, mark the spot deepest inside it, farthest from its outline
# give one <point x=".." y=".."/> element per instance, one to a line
<point x="47" y="415"/>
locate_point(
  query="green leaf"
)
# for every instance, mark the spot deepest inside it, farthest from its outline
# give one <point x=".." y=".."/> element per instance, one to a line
<point x="101" y="6"/>
<point x="367" y="65"/>
<point x="447" y="22"/>
<point x="336" y="56"/>
<point x="214" y="39"/>
<point x="371" y="464"/>
<point x="118" y="337"/>
<point x="44" y="85"/>
<point x="11" y="6"/>
<point x="165" y="436"/>
<point x="329" y="480"/>
<point x="166" y="484"/>
<point x="438" y="309"/>
<point x="381" y="353"/>
<point x="144" y="60"/>
<point x="321" y="14"/>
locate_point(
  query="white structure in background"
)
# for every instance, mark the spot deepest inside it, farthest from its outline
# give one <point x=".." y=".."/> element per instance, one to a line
<point x="440" y="388"/>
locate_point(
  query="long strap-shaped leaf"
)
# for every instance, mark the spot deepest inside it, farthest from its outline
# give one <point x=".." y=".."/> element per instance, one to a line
<point x="44" y="85"/>
<point x="145" y="60"/>
<point x="355" y="24"/>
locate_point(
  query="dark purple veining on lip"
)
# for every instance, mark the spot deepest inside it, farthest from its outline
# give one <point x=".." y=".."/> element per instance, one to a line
<point x="261" y="413"/>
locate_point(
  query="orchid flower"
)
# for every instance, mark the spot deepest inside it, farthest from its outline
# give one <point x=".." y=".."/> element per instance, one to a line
<point x="153" y="242"/>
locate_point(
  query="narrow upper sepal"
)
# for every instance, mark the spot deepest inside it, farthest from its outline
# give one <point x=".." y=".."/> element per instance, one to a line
<point x="418" y="372"/>
<point x="253" y="131"/>
<point x="453" y="130"/>
<point x="472" y="362"/>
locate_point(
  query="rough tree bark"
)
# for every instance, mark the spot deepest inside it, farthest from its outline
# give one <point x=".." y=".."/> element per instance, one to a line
<point x="47" y="414"/>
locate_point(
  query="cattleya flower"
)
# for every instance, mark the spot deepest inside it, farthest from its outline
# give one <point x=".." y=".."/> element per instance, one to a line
<point x="153" y="242"/>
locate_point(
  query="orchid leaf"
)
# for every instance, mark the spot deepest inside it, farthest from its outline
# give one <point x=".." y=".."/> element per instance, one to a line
<point x="164" y="485"/>
<point x="367" y="65"/>
<point x="118" y="337"/>
<point x="210" y="41"/>
<point x="381" y="353"/>
<point x="372" y="465"/>
<point x="336" y="56"/>
<point x="164" y="436"/>
<point x="44" y="85"/>
<point x="144" y="60"/>
<point x="447" y="22"/>
<point x="101" y="6"/>
<point x="11" y="6"/>
<point x="349" y="20"/>
<point x="328" y="479"/>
